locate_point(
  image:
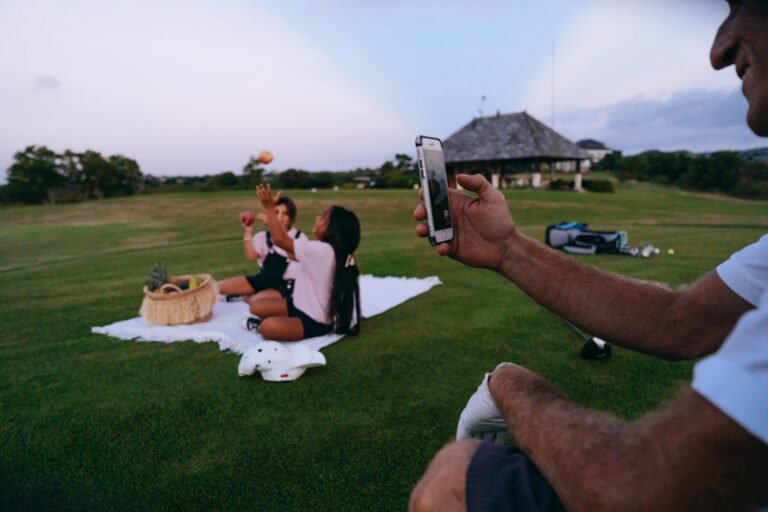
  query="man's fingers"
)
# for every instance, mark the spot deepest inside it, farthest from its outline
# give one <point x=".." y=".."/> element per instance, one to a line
<point x="420" y="213"/>
<point x="444" y="249"/>
<point x="279" y="193"/>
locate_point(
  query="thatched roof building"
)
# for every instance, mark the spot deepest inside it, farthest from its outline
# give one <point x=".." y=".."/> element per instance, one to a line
<point x="506" y="144"/>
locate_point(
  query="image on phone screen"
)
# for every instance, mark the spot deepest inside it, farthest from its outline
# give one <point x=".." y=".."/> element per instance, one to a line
<point x="437" y="181"/>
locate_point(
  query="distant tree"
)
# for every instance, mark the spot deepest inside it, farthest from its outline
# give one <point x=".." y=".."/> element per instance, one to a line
<point x="72" y="168"/>
<point x="386" y="167"/>
<point x="98" y="178"/>
<point x="293" y="178"/>
<point x="253" y="173"/>
<point x="752" y="182"/>
<point x="35" y="176"/>
<point x="150" y="181"/>
<point x="224" y="180"/>
<point x="398" y="180"/>
<point x="404" y="162"/>
<point x="39" y="175"/>
<point x="324" y="179"/>
<point x="128" y="177"/>
<point x="611" y="162"/>
<point x="718" y="172"/>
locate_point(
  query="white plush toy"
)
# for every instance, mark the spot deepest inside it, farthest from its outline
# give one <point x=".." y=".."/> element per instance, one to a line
<point x="279" y="361"/>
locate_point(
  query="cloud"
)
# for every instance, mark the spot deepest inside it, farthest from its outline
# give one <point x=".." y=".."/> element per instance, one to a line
<point x="692" y="119"/>
<point x="613" y="51"/>
<point x="46" y="83"/>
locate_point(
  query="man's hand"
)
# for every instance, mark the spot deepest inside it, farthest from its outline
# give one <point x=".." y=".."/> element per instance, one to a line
<point x="481" y="419"/>
<point x="482" y="225"/>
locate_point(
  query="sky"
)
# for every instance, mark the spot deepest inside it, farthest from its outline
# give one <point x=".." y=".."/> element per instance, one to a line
<point x="196" y="87"/>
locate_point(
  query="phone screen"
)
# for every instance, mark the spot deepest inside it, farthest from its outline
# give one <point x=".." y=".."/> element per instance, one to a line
<point x="437" y="180"/>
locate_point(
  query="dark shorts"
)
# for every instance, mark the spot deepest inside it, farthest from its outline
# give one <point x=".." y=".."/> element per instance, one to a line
<point x="311" y="327"/>
<point x="262" y="281"/>
<point x="501" y="478"/>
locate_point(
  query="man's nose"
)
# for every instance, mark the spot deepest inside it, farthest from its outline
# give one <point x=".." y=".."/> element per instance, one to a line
<point x="724" y="47"/>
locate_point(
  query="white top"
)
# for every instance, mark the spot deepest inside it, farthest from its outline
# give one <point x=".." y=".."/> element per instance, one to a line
<point x="735" y="378"/>
<point x="746" y="271"/>
<point x="314" y="279"/>
<point x="259" y="243"/>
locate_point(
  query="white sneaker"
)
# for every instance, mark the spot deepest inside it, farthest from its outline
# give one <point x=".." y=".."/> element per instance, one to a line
<point x="250" y="323"/>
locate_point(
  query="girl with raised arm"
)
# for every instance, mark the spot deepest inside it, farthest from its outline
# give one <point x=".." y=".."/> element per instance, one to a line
<point x="326" y="296"/>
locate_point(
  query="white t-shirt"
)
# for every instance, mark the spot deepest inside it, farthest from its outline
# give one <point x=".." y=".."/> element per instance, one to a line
<point x="314" y="278"/>
<point x="735" y="378"/>
<point x="259" y="243"/>
<point x="746" y="271"/>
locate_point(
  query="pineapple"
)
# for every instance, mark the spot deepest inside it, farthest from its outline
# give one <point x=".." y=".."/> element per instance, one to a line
<point x="158" y="278"/>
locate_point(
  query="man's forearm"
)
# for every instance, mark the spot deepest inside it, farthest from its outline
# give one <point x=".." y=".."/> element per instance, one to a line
<point x="639" y="315"/>
<point x="683" y="458"/>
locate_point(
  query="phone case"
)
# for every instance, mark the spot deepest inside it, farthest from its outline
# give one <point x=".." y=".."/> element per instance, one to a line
<point x="419" y="143"/>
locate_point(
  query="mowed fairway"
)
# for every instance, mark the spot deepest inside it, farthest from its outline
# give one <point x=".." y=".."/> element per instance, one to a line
<point x="88" y="422"/>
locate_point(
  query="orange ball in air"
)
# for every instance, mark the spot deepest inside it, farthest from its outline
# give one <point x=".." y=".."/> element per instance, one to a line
<point x="265" y="157"/>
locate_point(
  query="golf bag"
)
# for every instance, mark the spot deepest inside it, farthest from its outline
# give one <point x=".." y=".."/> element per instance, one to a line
<point x="575" y="238"/>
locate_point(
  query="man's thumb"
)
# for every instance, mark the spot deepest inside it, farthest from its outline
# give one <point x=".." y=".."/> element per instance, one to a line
<point x="475" y="183"/>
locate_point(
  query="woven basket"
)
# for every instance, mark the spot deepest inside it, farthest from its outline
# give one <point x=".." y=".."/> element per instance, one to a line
<point x="180" y="306"/>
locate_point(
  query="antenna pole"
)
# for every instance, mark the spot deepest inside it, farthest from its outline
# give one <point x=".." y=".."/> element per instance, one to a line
<point x="553" y="84"/>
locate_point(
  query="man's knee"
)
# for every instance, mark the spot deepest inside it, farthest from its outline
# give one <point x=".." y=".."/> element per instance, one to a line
<point x="443" y="485"/>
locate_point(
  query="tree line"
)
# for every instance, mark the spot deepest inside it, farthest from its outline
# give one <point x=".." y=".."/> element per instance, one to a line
<point x="726" y="172"/>
<point x="399" y="172"/>
<point x="39" y="175"/>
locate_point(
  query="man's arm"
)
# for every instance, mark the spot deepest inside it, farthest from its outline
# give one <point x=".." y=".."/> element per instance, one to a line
<point x="688" y="456"/>
<point x="639" y="315"/>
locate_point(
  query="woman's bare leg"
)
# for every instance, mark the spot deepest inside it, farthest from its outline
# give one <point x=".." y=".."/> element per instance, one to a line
<point x="270" y="293"/>
<point x="282" y="328"/>
<point x="267" y="307"/>
<point x="235" y="286"/>
<point x="276" y="324"/>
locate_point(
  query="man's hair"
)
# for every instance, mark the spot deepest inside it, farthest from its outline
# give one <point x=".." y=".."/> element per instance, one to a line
<point x="289" y="205"/>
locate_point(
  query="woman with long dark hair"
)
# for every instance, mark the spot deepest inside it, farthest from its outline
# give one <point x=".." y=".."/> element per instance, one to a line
<point x="326" y="297"/>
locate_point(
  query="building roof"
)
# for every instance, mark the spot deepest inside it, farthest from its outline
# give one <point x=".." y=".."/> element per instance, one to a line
<point x="509" y="137"/>
<point x="591" y="144"/>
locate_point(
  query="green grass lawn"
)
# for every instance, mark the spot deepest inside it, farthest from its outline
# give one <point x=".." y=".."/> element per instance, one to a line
<point x="88" y="422"/>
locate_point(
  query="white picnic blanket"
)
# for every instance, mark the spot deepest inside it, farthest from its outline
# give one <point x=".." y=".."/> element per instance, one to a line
<point x="377" y="294"/>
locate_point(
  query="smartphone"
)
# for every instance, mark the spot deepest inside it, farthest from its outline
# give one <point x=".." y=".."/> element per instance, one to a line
<point x="434" y="186"/>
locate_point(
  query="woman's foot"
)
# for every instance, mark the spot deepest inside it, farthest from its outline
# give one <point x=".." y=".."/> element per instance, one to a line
<point x="250" y="323"/>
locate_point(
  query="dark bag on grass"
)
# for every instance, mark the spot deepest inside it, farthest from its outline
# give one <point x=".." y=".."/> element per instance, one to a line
<point x="575" y="238"/>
